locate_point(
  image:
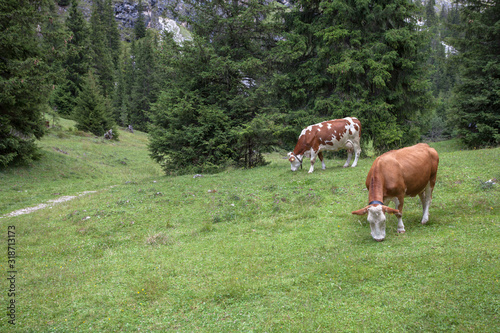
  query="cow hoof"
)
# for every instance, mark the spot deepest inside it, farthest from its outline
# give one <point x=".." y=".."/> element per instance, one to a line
<point x="401" y="231"/>
<point x="346" y="166"/>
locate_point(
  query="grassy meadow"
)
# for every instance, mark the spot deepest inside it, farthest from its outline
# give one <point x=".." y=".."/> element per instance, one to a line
<point x="260" y="250"/>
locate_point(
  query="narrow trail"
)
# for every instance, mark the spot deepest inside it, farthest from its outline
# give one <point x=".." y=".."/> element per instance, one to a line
<point x="48" y="204"/>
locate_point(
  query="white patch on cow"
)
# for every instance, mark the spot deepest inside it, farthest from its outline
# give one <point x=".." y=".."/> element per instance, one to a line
<point x="426" y="198"/>
<point x="376" y="218"/>
<point x="401" y="226"/>
<point x="349" y="156"/>
<point x="329" y="126"/>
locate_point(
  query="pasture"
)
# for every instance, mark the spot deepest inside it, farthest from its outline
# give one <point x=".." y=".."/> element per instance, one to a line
<point x="260" y="250"/>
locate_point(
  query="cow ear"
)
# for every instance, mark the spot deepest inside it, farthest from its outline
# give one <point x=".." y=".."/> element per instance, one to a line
<point x="389" y="210"/>
<point x="360" y="211"/>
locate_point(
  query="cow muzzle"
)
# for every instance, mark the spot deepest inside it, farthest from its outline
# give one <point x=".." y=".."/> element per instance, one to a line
<point x="295" y="161"/>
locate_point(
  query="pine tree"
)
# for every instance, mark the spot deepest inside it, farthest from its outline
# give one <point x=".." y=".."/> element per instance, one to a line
<point x="76" y="62"/>
<point x="93" y="111"/>
<point x="214" y="89"/>
<point x="430" y="13"/>
<point x="355" y="58"/>
<point x="476" y="110"/>
<point x="143" y="90"/>
<point x="102" y="56"/>
<point x="140" y="25"/>
<point x="122" y="98"/>
<point x="120" y="114"/>
<point x="24" y="79"/>
<point x="112" y="34"/>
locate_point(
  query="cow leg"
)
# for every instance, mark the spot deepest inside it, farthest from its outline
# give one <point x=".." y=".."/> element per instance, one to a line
<point x="426" y="198"/>
<point x="313" y="159"/>
<point x="320" y="155"/>
<point x="357" y="152"/>
<point x="398" y="202"/>
<point x="349" y="156"/>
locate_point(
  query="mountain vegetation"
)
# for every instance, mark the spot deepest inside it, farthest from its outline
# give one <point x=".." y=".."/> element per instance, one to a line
<point x="252" y="75"/>
<point x="476" y="96"/>
<point x="26" y="55"/>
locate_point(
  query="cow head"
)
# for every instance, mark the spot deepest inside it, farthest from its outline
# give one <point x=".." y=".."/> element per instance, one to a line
<point x="376" y="218"/>
<point x="295" y="161"/>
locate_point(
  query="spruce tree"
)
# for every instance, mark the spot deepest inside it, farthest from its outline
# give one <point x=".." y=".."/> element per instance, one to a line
<point x="214" y="89"/>
<point x="140" y="25"/>
<point x="122" y="98"/>
<point x="120" y="114"/>
<point x="476" y="110"/>
<point x="430" y="13"/>
<point x="102" y="56"/>
<point x="355" y="58"/>
<point x="143" y="90"/>
<point x="93" y="110"/>
<point x="24" y="79"/>
<point x="190" y="130"/>
<point x="112" y="33"/>
<point x="76" y="62"/>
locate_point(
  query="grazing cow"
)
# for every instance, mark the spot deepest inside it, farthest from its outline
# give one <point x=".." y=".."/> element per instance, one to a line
<point x="328" y="135"/>
<point x="395" y="175"/>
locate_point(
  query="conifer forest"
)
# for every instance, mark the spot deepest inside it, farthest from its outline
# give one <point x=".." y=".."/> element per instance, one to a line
<point x="250" y="75"/>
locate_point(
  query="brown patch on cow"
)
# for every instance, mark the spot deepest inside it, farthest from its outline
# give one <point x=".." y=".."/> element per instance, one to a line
<point x="339" y="134"/>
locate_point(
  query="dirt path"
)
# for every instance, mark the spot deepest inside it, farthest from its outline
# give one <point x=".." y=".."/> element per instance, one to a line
<point x="49" y="203"/>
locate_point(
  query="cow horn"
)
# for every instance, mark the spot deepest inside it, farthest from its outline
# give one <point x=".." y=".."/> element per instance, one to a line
<point x="362" y="211"/>
<point x="390" y="210"/>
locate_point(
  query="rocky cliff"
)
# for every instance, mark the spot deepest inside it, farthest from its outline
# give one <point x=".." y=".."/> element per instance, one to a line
<point x="156" y="15"/>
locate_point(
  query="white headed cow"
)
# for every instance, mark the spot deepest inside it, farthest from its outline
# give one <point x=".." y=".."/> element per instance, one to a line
<point x="395" y="175"/>
<point x="328" y="135"/>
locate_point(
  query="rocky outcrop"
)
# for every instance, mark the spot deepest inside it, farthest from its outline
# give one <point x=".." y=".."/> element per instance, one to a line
<point x="127" y="12"/>
<point x="156" y="13"/>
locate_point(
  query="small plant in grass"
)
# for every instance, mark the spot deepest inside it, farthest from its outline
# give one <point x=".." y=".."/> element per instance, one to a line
<point x="158" y="239"/>
<point x="207" y="226"/>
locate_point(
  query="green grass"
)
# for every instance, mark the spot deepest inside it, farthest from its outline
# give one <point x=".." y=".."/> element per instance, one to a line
<point x="73" y="163"/>
<point x="263" y="250"/>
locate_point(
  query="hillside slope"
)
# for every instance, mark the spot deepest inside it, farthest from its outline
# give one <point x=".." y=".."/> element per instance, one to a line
<point x="74" y="162"/>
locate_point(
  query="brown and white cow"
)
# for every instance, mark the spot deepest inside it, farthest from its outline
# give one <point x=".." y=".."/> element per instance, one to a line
<point x="328" y="135"/>
<point x="397" y="174"/>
